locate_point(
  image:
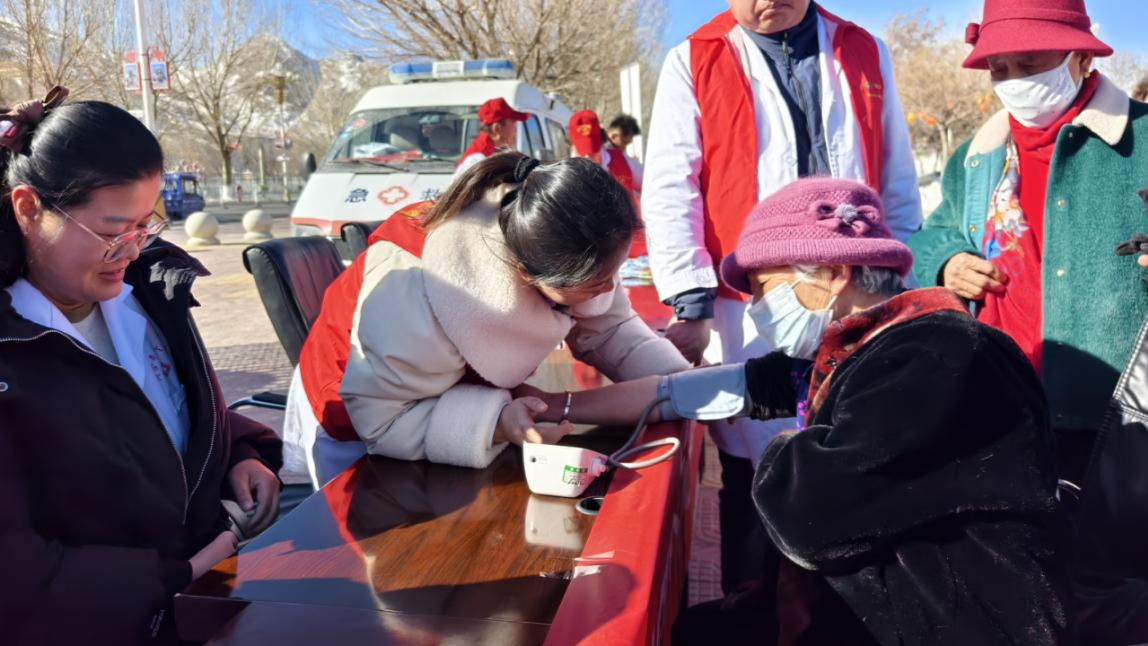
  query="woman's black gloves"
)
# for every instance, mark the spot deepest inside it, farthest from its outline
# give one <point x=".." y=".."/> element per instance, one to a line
<point x="770" y="384"/>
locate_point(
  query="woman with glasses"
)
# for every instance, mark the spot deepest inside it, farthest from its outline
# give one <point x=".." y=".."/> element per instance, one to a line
<point x="116" y="448"/>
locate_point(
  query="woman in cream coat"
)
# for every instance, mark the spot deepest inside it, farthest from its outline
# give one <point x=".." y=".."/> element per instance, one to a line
<point x="443" y="315"/>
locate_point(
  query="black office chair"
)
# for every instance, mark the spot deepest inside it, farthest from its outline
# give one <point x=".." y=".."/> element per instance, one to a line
<point x="355" y="235"/>
<point x="291" y="274"/>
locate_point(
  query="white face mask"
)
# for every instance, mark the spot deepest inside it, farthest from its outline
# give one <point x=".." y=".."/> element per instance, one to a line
<point x="1037" y="101"/>
<point x="786" y="325"/>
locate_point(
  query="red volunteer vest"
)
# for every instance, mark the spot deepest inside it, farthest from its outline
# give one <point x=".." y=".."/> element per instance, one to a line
<point x="620" y="169"/>
<point x="729" y="126"/>
<point x="323" y="359"/>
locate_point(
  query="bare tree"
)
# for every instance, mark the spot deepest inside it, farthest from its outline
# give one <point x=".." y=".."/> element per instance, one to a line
<point x="57" y="42"/>
<point x="944" y="103"/>
<point x="170" y="37"/>
<point x="219" y="79"/>
<point x="341" y="84"/>
<point x="1125" y="70"/>
<point x="568" y="46"/>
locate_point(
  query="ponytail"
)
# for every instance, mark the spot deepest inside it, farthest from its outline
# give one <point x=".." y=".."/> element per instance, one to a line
<point x="471" y="186"/>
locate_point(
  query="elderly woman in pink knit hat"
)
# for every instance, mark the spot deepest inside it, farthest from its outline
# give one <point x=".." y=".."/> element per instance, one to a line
<point x="918" y="503"/>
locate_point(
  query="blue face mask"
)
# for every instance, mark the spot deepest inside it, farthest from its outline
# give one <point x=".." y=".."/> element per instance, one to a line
<point x="787" y="326"/>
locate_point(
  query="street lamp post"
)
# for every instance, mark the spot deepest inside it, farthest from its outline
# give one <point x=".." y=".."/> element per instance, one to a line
<point x="145" y="67"/>
<point x="279" y="82"/>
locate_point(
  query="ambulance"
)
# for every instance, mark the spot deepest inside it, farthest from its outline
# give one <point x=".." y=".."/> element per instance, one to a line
<point x="402" y="141"/>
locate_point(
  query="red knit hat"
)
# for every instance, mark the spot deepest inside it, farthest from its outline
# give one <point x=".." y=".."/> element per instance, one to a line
<point x="496" y="110"/>
<point x="1021" y="26"/>
<point x="815" y="221"/>
<point x="585" y="132"/>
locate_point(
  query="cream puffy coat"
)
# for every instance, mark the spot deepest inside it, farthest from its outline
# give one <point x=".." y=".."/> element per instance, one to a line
<point x="420" y="323"/>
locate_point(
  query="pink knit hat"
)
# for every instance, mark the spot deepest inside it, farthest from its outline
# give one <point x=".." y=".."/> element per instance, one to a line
<point x="816" y="221"/>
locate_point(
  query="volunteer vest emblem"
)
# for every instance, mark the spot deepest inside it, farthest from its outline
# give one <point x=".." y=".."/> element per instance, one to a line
<point x="873" y="89"/>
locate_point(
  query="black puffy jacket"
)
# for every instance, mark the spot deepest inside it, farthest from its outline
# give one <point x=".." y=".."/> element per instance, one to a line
<point x="98" y="511"/>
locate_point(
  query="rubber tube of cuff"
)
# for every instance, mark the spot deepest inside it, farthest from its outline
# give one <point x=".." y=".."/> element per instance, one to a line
<point x="628" y="449"/>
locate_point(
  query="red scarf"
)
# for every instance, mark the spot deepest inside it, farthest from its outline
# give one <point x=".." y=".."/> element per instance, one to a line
<point x="851" y="333"/>
<point x="728" y="125"/>
<point x="482" y="145"/>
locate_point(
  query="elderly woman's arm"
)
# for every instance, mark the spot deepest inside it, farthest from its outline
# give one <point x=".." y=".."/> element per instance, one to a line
<point x="760" y="388"/>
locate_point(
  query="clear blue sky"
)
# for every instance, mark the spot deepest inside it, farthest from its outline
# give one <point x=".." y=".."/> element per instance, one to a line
<point x="1122" y="22"/>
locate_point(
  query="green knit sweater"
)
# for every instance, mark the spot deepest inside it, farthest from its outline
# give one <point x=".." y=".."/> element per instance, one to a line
<point x="1093" y="302"/>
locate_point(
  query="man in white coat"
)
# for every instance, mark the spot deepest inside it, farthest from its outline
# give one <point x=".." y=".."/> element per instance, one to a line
<point x="767" y="92"/>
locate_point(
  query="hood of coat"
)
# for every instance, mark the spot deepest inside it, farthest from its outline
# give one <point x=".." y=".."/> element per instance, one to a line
<point x="502" y="326"/>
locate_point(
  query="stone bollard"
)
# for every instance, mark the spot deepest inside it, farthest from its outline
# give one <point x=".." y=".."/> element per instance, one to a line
<point x="201" y="228"/>
<point x="257" y="225"/>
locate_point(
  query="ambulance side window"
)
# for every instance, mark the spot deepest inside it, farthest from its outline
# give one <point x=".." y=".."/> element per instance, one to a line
<point x="558" y="141"/>
<point x="534" y="137"/>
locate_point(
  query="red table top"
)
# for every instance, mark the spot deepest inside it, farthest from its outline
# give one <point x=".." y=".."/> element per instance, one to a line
<point x="404" y="552"/>
<point x="627" y="589"/>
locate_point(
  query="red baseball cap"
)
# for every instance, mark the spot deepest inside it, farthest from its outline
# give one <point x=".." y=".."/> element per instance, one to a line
<point x="585" y="132"/>
<point x="1021" y="26"/>
<point x="496" y="110"/>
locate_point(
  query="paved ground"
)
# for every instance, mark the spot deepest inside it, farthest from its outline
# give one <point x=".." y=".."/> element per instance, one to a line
<point x="248" y="359"/>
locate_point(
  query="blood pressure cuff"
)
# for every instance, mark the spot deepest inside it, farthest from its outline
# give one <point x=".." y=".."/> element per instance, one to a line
<point x="704" y="394"/>
<point x="761" y="388"/>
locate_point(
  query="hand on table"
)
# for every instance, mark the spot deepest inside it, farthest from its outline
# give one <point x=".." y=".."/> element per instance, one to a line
<point x="517" y="423"/>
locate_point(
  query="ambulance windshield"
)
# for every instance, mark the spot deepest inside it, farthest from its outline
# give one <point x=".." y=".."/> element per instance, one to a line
<point x="400" y="137"/>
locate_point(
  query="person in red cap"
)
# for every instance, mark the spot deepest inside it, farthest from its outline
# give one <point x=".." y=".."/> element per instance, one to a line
<point x="587" y="141"/>
<point x="498" y="131"/>
<point x="1034" y="204"/>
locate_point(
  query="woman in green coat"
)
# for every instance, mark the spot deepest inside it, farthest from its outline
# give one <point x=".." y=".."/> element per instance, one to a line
<point x="1036" y="202"/>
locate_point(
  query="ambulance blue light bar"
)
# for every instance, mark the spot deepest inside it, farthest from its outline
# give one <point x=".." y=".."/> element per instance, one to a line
<point x="490" y="68"/>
